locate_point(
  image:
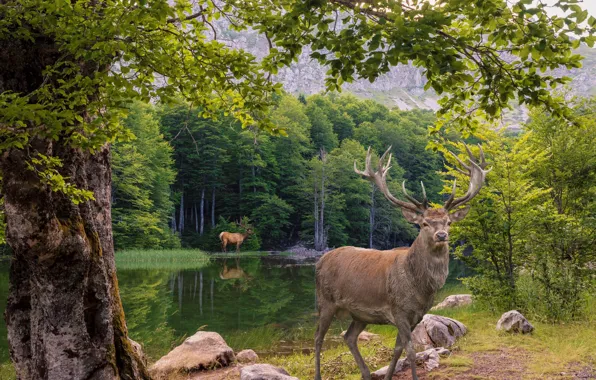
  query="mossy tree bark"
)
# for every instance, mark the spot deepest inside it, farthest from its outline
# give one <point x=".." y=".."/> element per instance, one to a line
<point x="64" y="315"/>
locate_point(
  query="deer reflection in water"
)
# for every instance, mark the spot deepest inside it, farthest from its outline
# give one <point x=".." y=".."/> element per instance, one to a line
<point x="233" y="273"/>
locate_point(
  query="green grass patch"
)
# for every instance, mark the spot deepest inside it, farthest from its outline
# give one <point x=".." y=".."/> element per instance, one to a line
<point x="7" y="371"/>
<point x="173" y="259"/>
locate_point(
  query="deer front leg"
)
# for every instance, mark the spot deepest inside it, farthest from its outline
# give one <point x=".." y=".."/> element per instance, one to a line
<point x="412" y="358"/>
<point x="238" y="247"/>
<point x="403" y="336"/>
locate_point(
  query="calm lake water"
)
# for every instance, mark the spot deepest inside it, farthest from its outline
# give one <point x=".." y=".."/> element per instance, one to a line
<point x="265" y="303"/>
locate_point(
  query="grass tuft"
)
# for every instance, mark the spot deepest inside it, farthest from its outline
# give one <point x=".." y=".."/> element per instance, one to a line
<point x="161" y="259"/>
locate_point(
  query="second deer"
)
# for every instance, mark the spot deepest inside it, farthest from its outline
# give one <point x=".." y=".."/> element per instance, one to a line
<point x="234" y="237"/>
<point x="395" y="287"/>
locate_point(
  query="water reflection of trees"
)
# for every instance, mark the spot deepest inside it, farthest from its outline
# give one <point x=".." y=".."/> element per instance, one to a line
<point x="148" y="303"/>
<point x="162" y="307"/>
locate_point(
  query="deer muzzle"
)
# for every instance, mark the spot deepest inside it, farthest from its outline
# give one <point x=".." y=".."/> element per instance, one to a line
<point x="441" y="236"/>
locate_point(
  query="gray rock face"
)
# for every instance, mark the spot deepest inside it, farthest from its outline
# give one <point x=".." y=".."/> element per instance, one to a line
<point x="436" y="331"/>
<point x="264" y="372"/>
<point x="204" y="350"/>
<point x="247" y="356"/>
<point x="429" y="359"/>
<point x="364" y="336"/>
<point x="454" y="300"/>
<point x="513" y="321"/>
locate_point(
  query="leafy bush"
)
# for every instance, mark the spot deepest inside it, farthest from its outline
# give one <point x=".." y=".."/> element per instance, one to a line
<point x="273" y="218"/>
<point x="532" y="227"/>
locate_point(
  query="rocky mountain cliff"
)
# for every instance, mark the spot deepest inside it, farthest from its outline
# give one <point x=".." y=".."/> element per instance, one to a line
<point x="402" y="87"/>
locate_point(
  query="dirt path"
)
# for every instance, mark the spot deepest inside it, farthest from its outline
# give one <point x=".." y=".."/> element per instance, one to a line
<point x="502" y="364"/>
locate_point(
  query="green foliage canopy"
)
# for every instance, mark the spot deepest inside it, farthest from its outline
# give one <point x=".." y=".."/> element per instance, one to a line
<point x="481" y="54"/>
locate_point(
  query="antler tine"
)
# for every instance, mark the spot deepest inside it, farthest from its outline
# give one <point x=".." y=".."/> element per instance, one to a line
<point x="477" y="176"/>
<point x="482" y="159"/>
<point x="472" y="158"/>
<point x="452" y="196"/>
<point x="424" y="198"/>
<point x="408" y="196"/>
<point x="379" y="179"/>
<point x="461" y="163"/>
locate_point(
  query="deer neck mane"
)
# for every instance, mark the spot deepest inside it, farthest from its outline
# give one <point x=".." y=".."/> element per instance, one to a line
<point x="428" y="264"/>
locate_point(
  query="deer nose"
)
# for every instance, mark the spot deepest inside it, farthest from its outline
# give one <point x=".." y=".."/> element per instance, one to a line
<point x="441" y="235"/>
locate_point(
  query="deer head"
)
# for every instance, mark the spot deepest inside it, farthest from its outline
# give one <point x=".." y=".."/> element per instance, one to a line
<point x="434" y="223"/>
<point x="247" y="228"/>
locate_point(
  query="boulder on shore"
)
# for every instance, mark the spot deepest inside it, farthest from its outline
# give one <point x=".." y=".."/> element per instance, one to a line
<point x="437" y="331"/>
<point x="455" y="300"/>
<point x="364" y="336"/>
<point x="202" y="351"/>
<point x="247" y="356"/>
<point x="429" y="359"/>
<point x="513" y="321"/>
<point x="264" y="372"/>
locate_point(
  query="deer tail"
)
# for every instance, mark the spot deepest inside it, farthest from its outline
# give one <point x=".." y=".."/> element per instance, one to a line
<point x="220" y="235"/>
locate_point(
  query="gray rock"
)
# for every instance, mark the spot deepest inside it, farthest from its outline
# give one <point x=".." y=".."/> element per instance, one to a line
<point x="455" y="300"/>
<point x="513" y="321"/>
<point x="247" y="356"/>
<point x="442" y="351"/>
<point x="429" y="359"/>
<point x="204" y="350"/>
<point x="437" y="331"/>
<point x="364" y="336"/>
<point x="264" y="372"/>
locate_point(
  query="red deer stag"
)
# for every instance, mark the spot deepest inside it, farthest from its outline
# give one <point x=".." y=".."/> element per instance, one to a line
<point x="397" y="286"/>
<point x="234" y="238"/>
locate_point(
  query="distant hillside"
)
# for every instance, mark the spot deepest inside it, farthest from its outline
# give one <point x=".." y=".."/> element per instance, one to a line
<point x="402" y="87"/>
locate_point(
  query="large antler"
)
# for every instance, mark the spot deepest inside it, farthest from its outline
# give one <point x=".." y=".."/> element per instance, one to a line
<point x="379" y="179"/>
<point x="477" y="175"/>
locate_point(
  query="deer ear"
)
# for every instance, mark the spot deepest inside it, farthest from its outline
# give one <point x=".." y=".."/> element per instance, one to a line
<point x="411" y="216"/>
<point x="458" y="215"/>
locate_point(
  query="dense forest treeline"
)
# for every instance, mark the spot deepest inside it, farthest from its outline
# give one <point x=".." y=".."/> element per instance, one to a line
<point x="529" y="237"/>
<point x="184" y="179"/>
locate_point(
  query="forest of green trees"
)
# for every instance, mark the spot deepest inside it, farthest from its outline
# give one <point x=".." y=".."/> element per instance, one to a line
<point x="529" y="237"/>
<point x="184" y="179"/>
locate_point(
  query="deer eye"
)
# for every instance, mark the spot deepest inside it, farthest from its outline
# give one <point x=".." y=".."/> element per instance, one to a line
<point x="424" y="224"/>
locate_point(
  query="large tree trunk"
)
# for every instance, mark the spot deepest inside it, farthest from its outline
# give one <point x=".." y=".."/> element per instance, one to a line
<point x="64" y="315"/>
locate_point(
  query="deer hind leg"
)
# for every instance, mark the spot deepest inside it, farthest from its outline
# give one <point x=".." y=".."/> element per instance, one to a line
<point x="351" y="339"/>
<point x="224" y="243"/>
<point x="325" y="319"/>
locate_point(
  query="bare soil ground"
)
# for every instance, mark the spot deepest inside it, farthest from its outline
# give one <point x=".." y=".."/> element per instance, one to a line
<point x="502" y="364"/>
